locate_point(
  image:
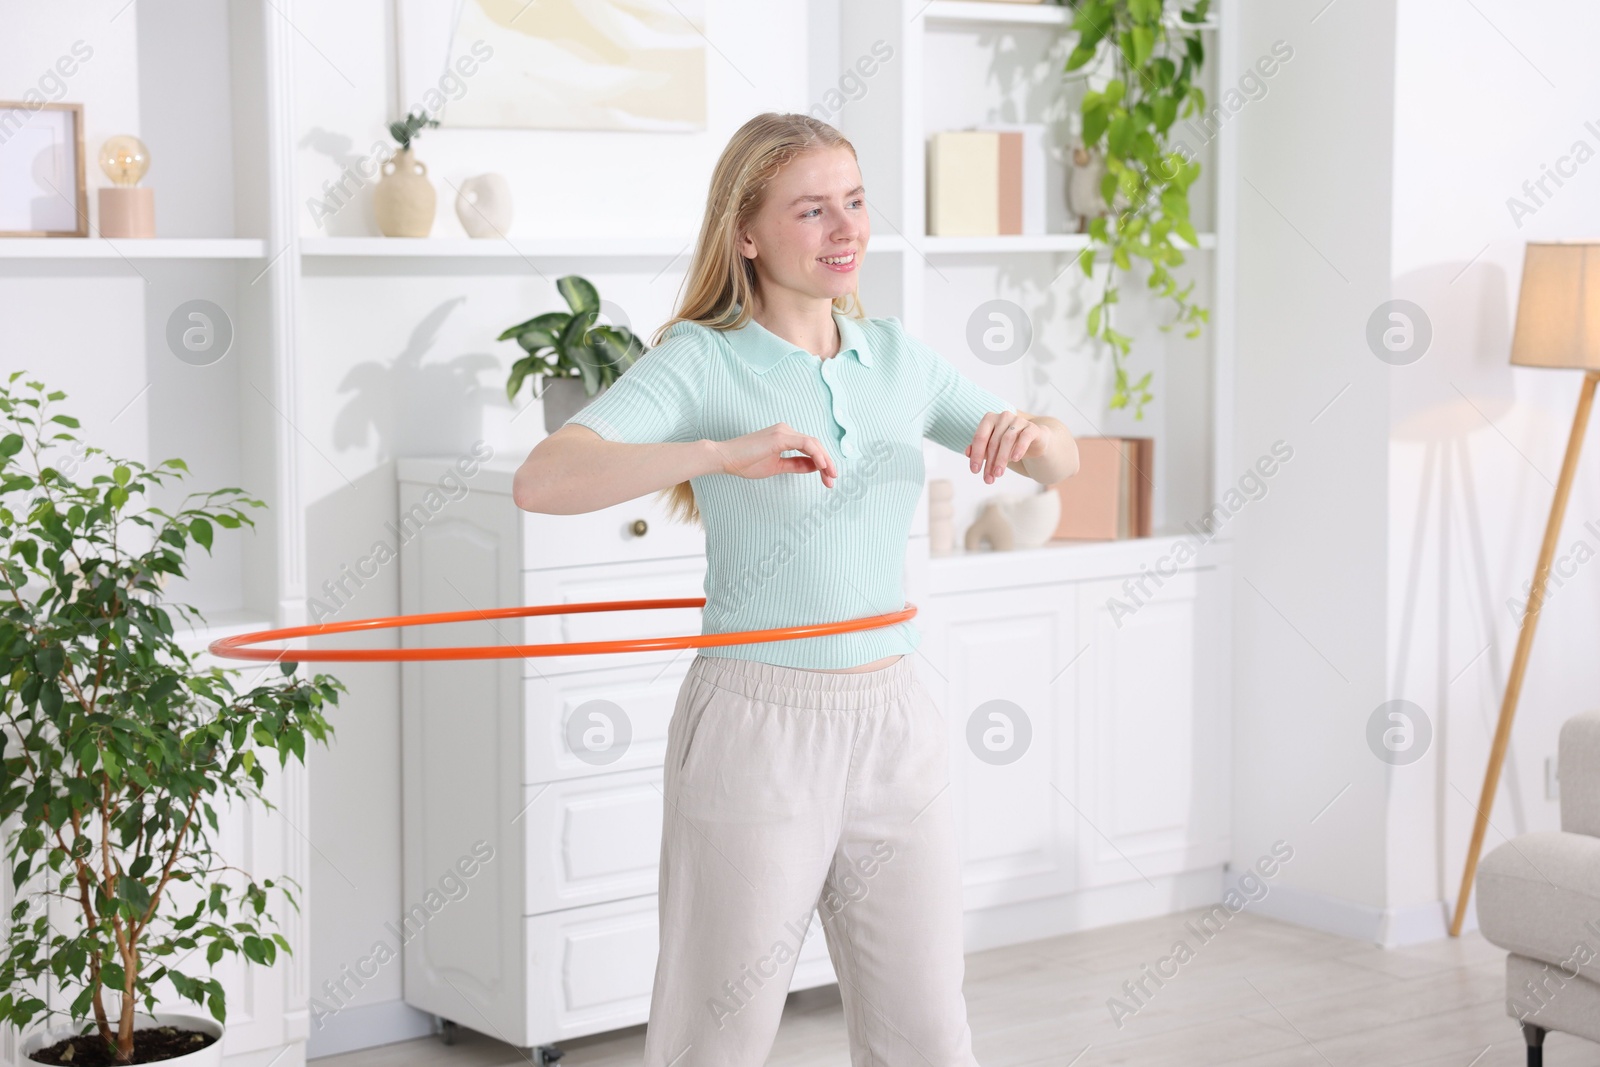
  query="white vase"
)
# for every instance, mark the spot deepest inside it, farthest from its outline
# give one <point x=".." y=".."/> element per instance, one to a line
<point x="210" y="1056"/>
<point x="1033" y="517"/>
<point x="483" y="204"/>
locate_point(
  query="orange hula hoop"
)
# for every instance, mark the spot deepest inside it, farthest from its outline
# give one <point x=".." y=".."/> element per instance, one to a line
<point x="237" y="646"/>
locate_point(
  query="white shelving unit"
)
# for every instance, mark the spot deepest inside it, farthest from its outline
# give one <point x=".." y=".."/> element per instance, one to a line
<point x="149" y="248"/>
<point x="224" y="125"/>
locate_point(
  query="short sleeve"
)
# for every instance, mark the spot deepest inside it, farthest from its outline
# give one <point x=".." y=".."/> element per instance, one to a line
<point x="954" y="404"/>
<point x="657" y="399"/>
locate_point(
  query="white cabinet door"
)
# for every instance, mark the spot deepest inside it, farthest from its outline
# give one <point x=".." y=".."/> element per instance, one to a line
<point x="597" y="722"/>
<point x="610" y="535"/>
<point x="591" y="840"/>
<point x="1147" y="734"/>
<point x="592" y="969"/>
<point x="1004" y="655"/>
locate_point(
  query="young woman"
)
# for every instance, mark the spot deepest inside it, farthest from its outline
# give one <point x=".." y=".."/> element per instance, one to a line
<point x="804" y="775"/>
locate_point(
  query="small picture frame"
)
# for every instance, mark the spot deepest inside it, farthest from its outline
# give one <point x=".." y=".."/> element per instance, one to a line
<point x="42" y="190"/>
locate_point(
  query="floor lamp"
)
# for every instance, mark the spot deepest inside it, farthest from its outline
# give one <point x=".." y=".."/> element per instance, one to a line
<point x="1558" y="325"/>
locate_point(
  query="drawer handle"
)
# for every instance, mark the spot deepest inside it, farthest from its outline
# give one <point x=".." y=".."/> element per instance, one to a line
<point x="639" y="527"/>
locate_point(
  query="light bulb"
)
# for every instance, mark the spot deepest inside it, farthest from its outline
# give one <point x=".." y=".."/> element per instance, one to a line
<point x="124" y="158"/>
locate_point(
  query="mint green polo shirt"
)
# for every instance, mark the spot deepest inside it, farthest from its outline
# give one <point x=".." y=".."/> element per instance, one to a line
<point x="786" y="550"/>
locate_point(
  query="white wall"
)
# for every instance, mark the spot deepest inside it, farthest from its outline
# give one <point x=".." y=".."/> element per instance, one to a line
<point x="1309" y="595"/>
<point x="1378" y="167"/>
<point x="1483" y="103"/>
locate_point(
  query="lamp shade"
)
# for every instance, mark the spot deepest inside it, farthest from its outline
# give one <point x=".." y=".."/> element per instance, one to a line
<point x="1558" y="311"/>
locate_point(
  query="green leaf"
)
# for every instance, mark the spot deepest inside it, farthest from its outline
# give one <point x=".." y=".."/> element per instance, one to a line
<point x="1142" y="42"/>
<point x="579" y="294"/>
<point x="200" y="530"/>
<point x="134" y="892"/>
<point x="10" y="445"/>
<point x="121" y="475"/>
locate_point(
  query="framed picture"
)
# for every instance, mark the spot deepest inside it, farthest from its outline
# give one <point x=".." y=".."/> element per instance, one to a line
<point x="620" y="65"/>
<point x="42" y="190"/>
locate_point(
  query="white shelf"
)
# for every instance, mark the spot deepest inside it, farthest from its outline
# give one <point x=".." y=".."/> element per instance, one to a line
<point x="981" y="11"/>
<point x="132" y="248"/>
<point x="218" y="624"/>
<point x="1071" y="560"/>
<point x="1004" y="243"/>
<point x="521" y="247"/>
<point x="1003" y="12"/>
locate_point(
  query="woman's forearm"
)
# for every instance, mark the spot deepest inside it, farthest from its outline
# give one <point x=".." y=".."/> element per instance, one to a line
<point x="575" y="470"/>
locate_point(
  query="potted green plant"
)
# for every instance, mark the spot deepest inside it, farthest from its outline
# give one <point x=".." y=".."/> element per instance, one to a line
<point x="1153" y="57"/>
<point x="118" y="752"/>
<point x="404" y="200"/>
<point x="574" y="355"/>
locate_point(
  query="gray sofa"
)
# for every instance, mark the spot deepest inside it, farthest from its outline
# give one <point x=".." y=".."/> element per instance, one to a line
<point x="1539" y="899"/>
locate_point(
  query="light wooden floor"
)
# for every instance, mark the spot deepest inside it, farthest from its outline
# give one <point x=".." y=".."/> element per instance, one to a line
<point x="1260" y="994"/>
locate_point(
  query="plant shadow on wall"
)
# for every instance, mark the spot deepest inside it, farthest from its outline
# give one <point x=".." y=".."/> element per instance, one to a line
<point x="416" y="407"/>
<point x="121" y="751"/>
<point x="332" y="214"/>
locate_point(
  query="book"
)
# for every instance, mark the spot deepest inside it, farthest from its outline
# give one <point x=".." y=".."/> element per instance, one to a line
<point x="1024" y="180"/>
<point x="964" y="183"/>
<point x="1109" y="498"/>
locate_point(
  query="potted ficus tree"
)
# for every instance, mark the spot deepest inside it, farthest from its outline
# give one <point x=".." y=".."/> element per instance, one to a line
<point x="120" y="751"/>
<point x="570" y="352"/>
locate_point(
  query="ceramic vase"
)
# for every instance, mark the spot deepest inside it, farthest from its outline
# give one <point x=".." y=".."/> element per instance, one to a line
<point x="404" y="199"/>
<point x="563" y="398"/>
<point x="483" y="204"/>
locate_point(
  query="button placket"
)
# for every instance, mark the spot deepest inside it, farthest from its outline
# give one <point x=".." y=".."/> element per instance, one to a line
<point x="846" y="446"/>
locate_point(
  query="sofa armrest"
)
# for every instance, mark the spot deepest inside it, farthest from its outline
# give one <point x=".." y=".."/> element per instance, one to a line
<point x="1579" y="771"/>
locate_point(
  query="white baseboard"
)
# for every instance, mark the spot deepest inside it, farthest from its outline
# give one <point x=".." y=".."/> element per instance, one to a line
<point x="1410" y="924"/>
<point x="365" y="1026"/>
<point x="1086" y="909"/>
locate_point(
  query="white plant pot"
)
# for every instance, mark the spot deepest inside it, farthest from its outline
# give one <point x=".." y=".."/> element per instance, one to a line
<point x="564" y="398"/>
<point x="210" y="1056"/>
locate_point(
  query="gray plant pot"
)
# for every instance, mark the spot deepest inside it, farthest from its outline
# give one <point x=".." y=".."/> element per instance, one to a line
<point x="564" y="398"/>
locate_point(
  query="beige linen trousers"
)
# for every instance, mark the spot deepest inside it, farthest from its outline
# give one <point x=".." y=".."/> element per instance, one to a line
<point x="790" y="791"/>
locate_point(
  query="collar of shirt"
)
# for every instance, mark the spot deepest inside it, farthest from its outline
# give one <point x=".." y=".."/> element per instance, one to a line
<point x="763" y="349"/>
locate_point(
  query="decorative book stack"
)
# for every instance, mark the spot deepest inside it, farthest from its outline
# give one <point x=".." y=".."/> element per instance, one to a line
<point x="1109" y="498"/>
<point x="986" y="181"/>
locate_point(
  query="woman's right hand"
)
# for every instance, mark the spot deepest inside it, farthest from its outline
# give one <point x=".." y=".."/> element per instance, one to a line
<point x="758" y="455"/>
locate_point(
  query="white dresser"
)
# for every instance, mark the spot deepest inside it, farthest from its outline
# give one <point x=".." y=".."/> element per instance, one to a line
<point x="1116" y="810"/>
<point x="555" y="936"/>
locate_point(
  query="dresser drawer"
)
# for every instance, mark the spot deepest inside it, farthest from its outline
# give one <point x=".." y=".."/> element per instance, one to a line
<point x="608" y="535"/>
<point x="591" y="840"/>
<point x="599" y="722"/>
<point x="649" y="580"/>
<point x="592" y="969"/>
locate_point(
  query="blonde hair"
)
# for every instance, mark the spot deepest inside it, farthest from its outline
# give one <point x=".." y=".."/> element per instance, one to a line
<point x="719" y="277"/>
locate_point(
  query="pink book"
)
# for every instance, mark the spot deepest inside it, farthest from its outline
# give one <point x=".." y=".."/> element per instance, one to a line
<point x="1092" y="500"/>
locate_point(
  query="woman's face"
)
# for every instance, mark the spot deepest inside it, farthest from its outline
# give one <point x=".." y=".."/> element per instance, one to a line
<point x="815" y="210"/>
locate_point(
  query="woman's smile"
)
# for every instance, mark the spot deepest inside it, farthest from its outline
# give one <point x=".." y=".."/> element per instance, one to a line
<point x="840" y="262"/>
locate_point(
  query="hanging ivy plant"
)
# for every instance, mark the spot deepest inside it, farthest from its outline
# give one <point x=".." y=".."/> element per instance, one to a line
<point x="1153" y="58"/>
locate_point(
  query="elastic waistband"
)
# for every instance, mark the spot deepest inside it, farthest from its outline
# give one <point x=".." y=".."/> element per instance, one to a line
<point x="794" y="687"/>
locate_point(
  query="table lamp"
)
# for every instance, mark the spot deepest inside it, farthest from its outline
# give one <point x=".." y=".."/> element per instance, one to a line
<point x="126" y="208"/>
<point x="1558" y="325"/>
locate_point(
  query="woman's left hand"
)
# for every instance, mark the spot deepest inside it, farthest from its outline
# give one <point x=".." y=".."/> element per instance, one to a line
<point x="1004" y="437"/>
